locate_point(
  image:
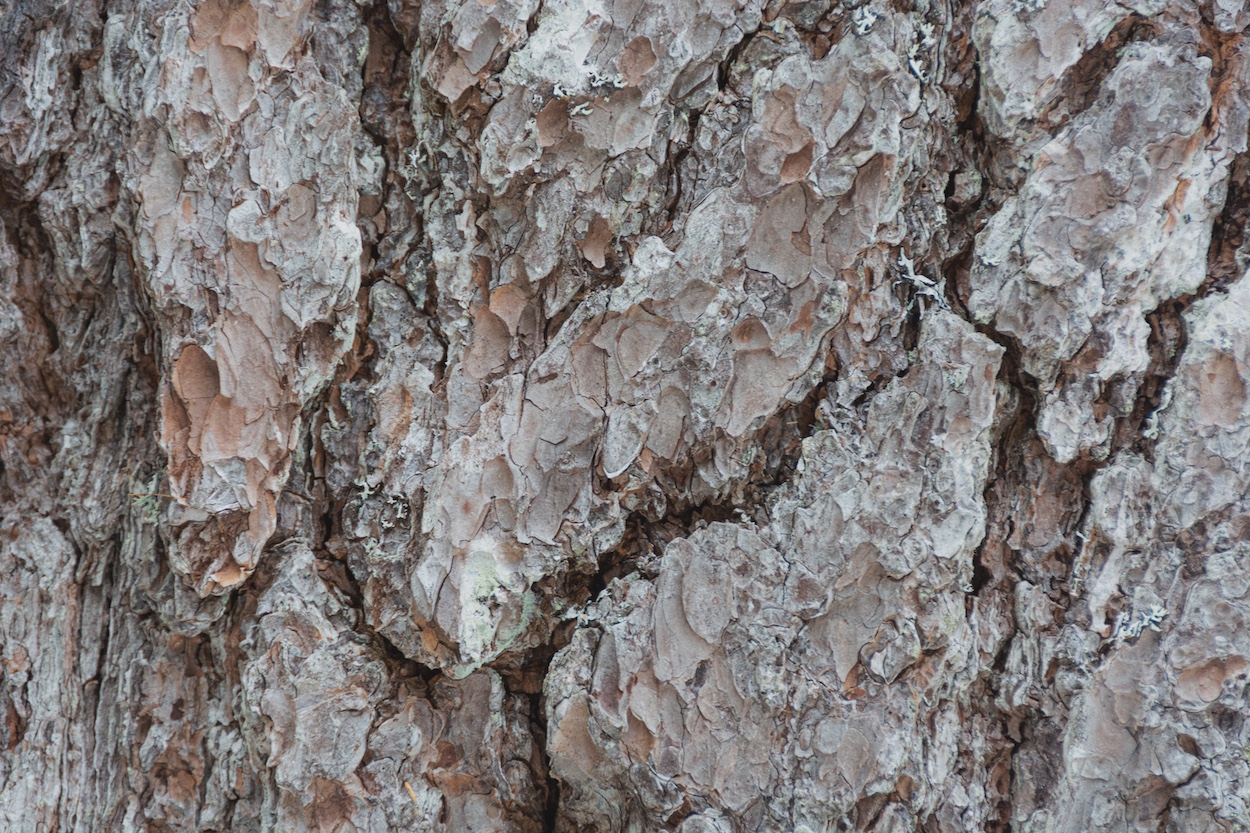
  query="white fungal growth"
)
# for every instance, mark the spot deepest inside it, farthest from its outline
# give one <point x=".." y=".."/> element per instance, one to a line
<point x="915" y="64"/>
<point x="1151" y="431"/>
<point x="366" y="488"/>
<point x="1128" y="626"/>
<point x="781" y="25"/>
<point x="928" y="35"/>
<point x="926" y="289"/>
<point x="600" y="79"/>
<point x="927" y="40"/>
<point x="864" y="19"/>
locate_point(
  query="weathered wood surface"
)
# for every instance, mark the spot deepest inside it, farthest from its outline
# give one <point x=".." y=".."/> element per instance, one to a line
<point x="714" y="416"/>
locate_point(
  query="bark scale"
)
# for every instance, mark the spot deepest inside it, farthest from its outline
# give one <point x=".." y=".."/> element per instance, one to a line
<point x="620" y="415"/>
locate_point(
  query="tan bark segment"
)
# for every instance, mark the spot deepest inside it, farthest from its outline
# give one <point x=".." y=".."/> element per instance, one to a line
<point x="246" y="240"/>
<point x="781" y="670"/>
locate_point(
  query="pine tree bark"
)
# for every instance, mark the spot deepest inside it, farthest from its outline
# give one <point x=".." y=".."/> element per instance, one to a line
<point x="712" y="416"/>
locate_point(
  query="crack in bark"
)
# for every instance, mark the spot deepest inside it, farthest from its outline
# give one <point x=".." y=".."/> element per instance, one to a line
<point x="1166" y="346"/>
<point x="677" y="157"/>
<point x="1081" y="84"/>
<point x="399" y="666"/>
<point x="1229" y="252"/>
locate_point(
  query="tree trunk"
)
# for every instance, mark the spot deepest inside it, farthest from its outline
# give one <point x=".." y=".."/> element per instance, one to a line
<point x="696" y="415"/>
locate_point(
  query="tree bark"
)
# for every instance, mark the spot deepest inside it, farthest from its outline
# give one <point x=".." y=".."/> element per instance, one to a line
<point x="712" y="416"/>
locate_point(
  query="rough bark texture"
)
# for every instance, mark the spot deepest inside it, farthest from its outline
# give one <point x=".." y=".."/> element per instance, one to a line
<point x="624" y="415"/>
